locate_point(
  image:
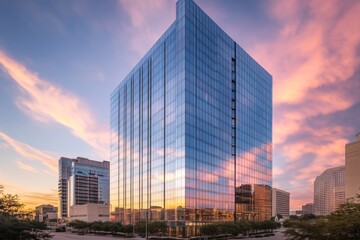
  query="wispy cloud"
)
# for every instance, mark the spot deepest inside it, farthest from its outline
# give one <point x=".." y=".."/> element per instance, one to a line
<point x="48" y="159"/>
<point x="312" y="57"/>
<point x="148" y="20"/>
<point x="46" y="102"/>
<point x="32" y="199"/>
<point x="29" y="168"/>
<point x="26" y="167"/>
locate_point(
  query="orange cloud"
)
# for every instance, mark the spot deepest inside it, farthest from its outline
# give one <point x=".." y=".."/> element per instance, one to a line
<point x="27" y="167"/>
<point x="32" y="199"/>
<point x="46" y="102"/>
<point x="48" y="159"/>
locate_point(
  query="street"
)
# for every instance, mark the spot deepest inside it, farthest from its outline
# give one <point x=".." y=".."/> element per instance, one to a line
<point x="74" y="236"/>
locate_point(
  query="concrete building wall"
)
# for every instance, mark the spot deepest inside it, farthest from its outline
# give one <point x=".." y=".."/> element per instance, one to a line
<point x="352" y="168"/>
<point x="329" y="190"/>
<point x="280" y="202"/>
<point x="308" y="208"/>
<point x="46" y="213"/>
<point x="90" y="212"/>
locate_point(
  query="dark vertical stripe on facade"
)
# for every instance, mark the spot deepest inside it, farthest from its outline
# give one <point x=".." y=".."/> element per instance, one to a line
<point x="140" y="145"/>
<point x="149" y="134"/>
<point x="132" y="151"/>
<point x="118" y="155"/>
<point x="196" y="118"/>
<point x="234" y="150"/>
<point x="124" y="151"/>
<point x="148" y="137"/>
<point x="164" y="123"/>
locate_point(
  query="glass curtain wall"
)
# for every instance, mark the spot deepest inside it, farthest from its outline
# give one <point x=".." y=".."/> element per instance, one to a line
<point x="191" y="131"/>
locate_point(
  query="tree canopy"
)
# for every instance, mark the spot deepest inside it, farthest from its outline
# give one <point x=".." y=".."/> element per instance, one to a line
<point x="13" y="222"/>
<point x="344" y="223"/>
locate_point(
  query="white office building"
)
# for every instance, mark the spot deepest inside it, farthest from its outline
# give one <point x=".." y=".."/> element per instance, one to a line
<point x="329" y="190"/>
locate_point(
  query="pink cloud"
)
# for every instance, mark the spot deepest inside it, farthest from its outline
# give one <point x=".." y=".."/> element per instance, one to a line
<point x="46" y="102"/>
<point x="312" y="56"/>
<point x="148" y="21"/>
<point x="320" y="49"/>
<point x="48" y="159"/>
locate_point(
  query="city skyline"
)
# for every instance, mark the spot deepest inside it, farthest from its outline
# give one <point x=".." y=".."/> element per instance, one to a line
<point x="50" y="62"/>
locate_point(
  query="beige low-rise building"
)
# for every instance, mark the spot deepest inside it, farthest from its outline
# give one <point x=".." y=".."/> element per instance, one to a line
<point x="352" y="169"/>
<point x="280" y="203"/>
<point x="308" y="208"/>
<point x="45" y="213"/>
<point x="90" y="212"/>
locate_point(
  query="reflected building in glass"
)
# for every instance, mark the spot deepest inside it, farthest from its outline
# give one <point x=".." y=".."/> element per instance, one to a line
<point x="191" y="131"/>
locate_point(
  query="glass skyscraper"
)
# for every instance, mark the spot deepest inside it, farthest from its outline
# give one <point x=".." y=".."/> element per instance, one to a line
<point x="82" y="181"/>
<point x="191" y="131"/>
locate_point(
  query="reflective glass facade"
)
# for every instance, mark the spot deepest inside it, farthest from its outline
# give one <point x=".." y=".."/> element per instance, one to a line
<point x="191" y="131"/>
<point x="82" y="181"/>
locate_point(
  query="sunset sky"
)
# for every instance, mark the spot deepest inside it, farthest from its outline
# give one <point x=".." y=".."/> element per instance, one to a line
<point x="60" y="60"/>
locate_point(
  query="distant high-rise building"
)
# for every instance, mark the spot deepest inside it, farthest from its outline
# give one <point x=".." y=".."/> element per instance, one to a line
<point x="280" y="203"/>
<point x="82" y="181"/>
<point x="352" y="169"/>
<point x="64" y="175"/>
<point x="191" y="131"/>
<point x="329" y="190"/>
<point x="308" y="208"/>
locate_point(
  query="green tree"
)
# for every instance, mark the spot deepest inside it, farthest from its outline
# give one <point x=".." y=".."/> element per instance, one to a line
<point x="128" y="229"/>
<point x="157" y="227"/>
<point x="228" y="228"/>
<point x="308" y="216"/>
<point x="96" y="226"/>
<point x="10" y="204"/>
<point x="209" y="230"/>
<point x="116" y="227"/>
<point x="344" y="223"/>
<point x="14" y="226"/>
<point x="307" y="230"/>
<point x="80" y="225"/>
<point x="140" y="227"/>
<point x="244" y="227"/>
